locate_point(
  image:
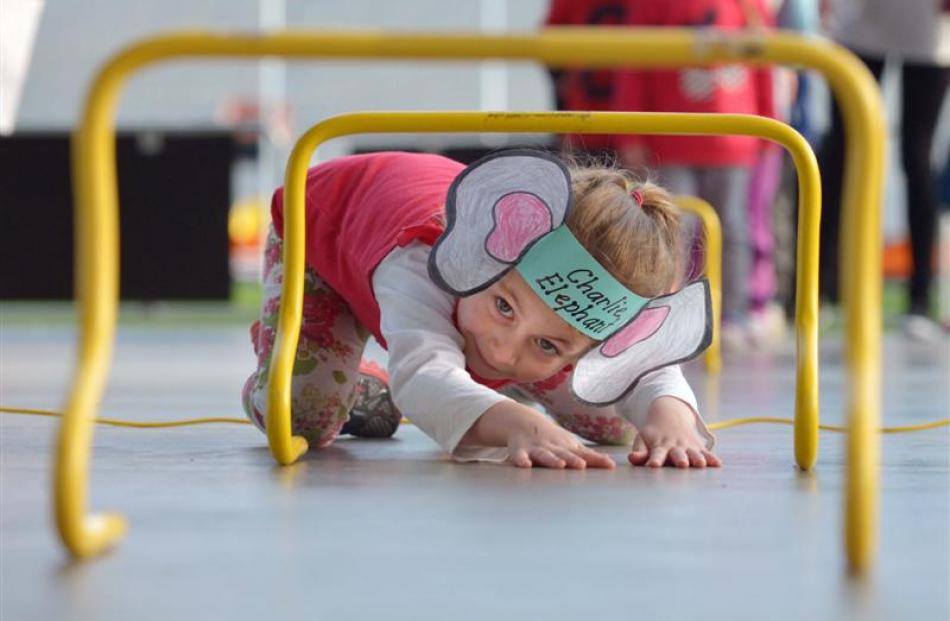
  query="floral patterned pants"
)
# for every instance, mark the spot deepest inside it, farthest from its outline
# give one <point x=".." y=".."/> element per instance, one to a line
<point x="326" y="367"/>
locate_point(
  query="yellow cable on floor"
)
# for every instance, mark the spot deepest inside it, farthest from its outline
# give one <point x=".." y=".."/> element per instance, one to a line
<point x="723" y="424"/>
<point x="735" y="422"/>
<point x="128" y="423"/>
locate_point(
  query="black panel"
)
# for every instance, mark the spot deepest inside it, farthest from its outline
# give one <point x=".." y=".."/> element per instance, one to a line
<point x="174" y="196"/>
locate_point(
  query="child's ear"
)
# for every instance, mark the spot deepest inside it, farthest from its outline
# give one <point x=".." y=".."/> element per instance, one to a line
<point x="668" y="330"/>
<point x="497" y="208"/>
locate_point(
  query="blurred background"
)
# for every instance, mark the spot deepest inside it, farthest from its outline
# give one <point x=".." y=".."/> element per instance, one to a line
<point x="202" y="145"/>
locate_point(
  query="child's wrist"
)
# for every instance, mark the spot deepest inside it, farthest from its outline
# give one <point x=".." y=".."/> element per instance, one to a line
<point x="669" y="407"/>
<point x="499" y="422"/>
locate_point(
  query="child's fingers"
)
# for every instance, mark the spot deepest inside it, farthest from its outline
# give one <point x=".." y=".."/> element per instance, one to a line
<point x="678" y="457"/>
<point x="658" y="456"/>
<point x="696" y="459"/>
<point x="594" y="459"/>
<point x="544" y="457"/>
<point x="570" y="459"/>
<point x="519" y="457"/>
<point x="639" y="453"/>
<point x="711" y="460"/>
<point x="638" y="459"/>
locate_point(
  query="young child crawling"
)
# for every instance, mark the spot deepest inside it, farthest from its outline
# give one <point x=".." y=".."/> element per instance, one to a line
<point x="516" y="276"/>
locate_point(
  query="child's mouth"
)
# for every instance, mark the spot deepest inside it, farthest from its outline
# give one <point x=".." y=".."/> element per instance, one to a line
<point x="486" y="370"/>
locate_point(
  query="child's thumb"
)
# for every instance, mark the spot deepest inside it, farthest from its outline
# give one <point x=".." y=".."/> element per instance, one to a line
<point x="639" y="453"/>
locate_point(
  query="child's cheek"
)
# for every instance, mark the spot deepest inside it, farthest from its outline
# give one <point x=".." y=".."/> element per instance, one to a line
<point x="472" y="315"/>
<point x="464" y="314"/>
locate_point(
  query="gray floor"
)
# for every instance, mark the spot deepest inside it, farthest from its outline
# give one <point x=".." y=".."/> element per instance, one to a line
<point x="391" y="529"/>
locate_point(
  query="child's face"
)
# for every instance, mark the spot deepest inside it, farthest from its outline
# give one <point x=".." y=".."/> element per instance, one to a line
<point x="511" y="334"/>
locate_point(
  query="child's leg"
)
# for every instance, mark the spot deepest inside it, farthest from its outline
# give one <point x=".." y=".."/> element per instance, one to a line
<point x="326" y="369"/>
<point x="603" y="425"/>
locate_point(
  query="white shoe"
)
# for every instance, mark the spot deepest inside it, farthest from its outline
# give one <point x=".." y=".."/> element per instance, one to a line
<point x="768" y="328"/>
<point x="922" y="329"/>
<point x="733" y="338"/>
<point x="830" y="318"/>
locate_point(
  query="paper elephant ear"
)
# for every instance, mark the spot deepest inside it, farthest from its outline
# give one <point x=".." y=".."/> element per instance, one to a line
<point x="496" y="209"/>
<point x="669" y="329"/>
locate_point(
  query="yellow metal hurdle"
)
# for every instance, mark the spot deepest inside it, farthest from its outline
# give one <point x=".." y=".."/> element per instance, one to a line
<point x="712" y="232"/>
<point x="94" y="177"/>
<point x="287" y="448"/>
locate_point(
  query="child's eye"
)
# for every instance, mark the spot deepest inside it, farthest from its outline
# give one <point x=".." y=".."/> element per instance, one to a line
<point x="504" y="307"/>
<point x="548" y="347"/>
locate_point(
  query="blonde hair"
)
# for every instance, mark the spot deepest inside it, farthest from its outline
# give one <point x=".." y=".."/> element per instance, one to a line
<point x="639" y="245"/>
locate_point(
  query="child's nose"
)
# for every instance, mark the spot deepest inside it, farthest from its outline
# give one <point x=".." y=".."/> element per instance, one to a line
<point x="505" y="352"/>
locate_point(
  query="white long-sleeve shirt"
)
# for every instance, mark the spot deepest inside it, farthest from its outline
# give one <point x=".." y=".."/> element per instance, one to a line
<point x="426" y="366"/>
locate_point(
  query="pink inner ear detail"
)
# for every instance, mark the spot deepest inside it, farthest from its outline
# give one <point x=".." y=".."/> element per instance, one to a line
<point x="642" y="328"/>
<point x="520" y="218"/>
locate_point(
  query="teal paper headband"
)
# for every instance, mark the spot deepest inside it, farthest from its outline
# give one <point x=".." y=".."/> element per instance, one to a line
<point x="576" y="286"/>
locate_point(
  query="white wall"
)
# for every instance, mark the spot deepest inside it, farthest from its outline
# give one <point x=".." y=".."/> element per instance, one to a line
<point x="77" y="36"/>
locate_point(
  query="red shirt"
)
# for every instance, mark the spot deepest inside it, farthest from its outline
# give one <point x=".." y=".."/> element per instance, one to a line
<point x="359" y="208"/>
<point x="725" y="88"/>
<point x="586" y="89"/>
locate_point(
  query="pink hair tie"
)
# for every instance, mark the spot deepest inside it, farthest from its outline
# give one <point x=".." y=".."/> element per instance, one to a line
<point x="637" y="196"/>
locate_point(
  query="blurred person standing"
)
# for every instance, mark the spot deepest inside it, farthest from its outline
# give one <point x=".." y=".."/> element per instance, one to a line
<point x="773" y="190"/>
<point x="916" y="34"/>
<point x="585" y="89"/>
<point x="773" y="187"/>
<point x="715" y="168"/>
<point x="796" y="105"/>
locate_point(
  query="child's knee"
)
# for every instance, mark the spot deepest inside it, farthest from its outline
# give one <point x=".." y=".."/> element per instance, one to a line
<point x="318" y="436"/>
<point x="318" y="416"/>
<point x="254" y="413"/>
<point x="315" y="417"/>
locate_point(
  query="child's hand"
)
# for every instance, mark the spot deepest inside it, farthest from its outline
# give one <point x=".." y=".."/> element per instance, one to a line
<point x="670" y="438"/>
<point x="532" y="439"/>
<point x="545" y="444"/>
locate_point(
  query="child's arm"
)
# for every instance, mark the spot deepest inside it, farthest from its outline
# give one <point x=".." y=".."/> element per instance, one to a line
<point x="427" y="373"/>
<point x="430" y="385"/>
<point x="670" y="429"/>
<point x="426" y="366"/>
